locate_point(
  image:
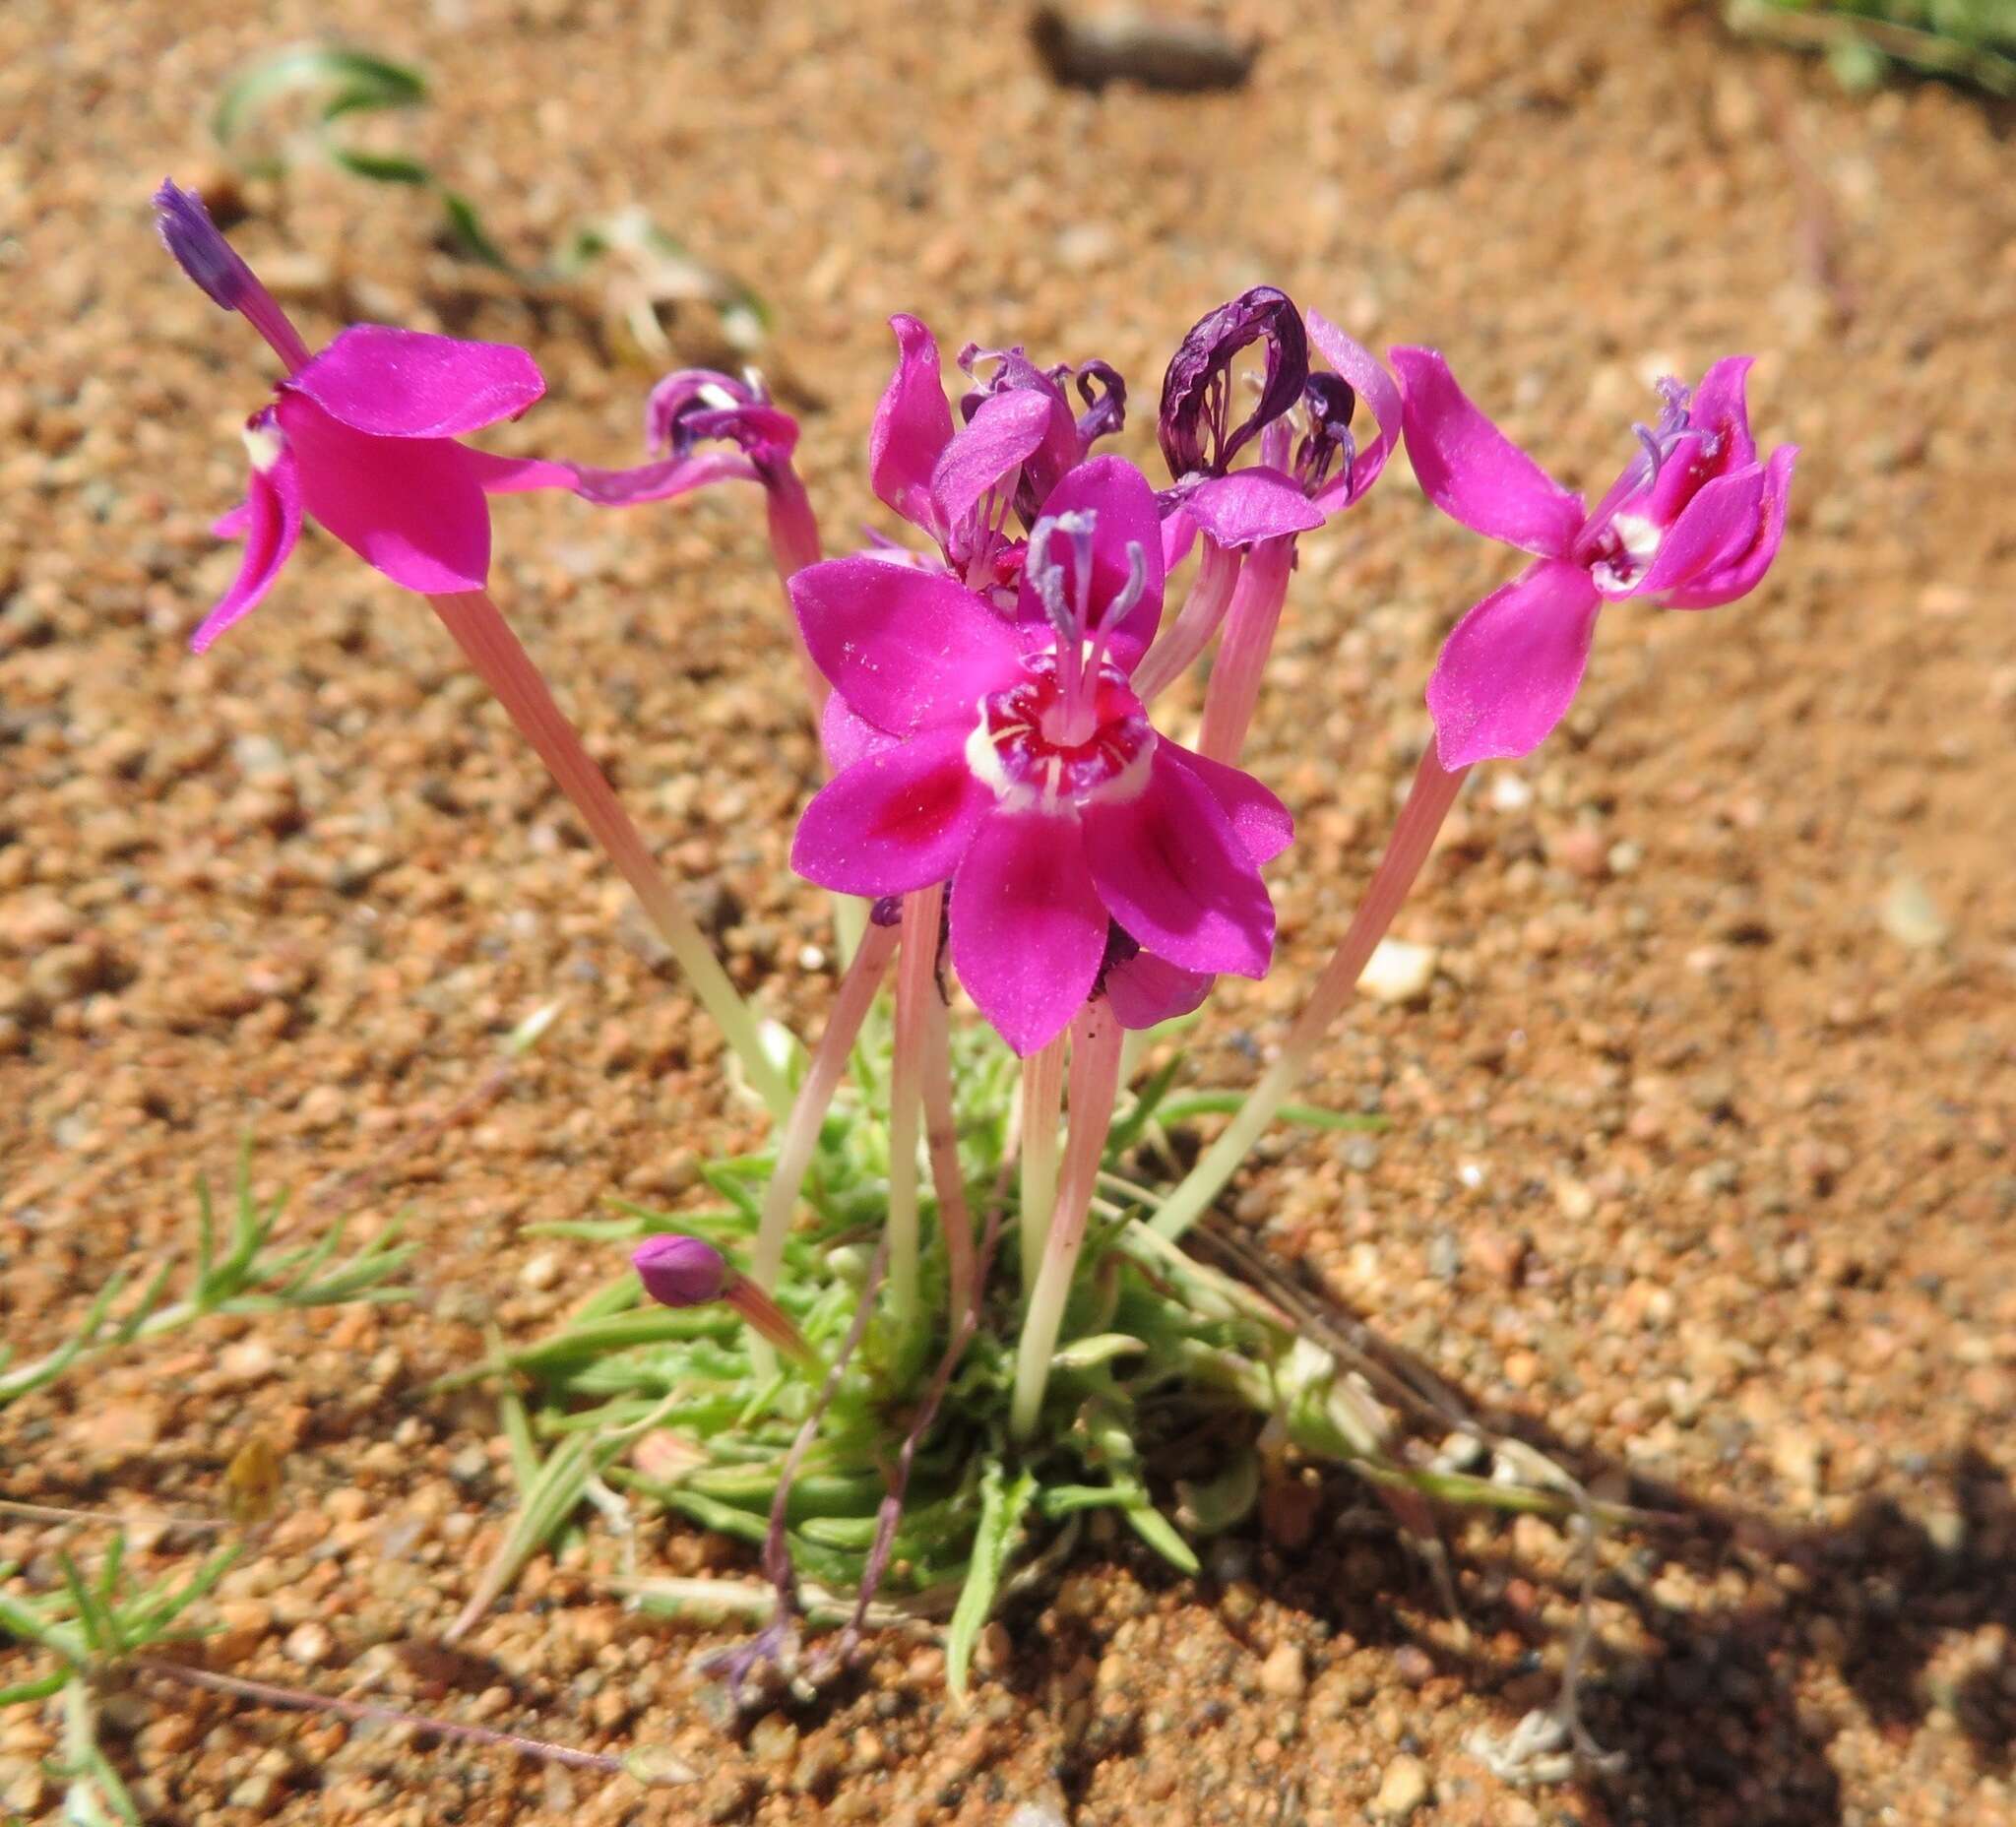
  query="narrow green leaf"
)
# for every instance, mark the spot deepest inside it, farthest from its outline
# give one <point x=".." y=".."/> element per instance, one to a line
<point x="1002" y="1503"/>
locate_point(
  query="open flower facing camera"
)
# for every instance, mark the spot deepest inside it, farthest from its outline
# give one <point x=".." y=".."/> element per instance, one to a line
<point x="944" y="1313"/>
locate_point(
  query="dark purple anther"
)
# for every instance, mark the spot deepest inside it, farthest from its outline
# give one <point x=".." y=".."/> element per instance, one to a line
<point x="199" y="248"/>
<point x="1196" y="392"/>
<point x="1328" y="402"/>
<point x="1105" y="395"/>
<point x="886" y="911"/>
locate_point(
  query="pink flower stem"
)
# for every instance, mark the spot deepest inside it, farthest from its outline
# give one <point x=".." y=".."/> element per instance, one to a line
<point x="489" y="645"/>
<point x="1414" y="837"/>
<point x="1095" y="1084"/>
<point x="301" y="1700"/>
<point x="1211" y="595"/>
<point x="799" y="1139"/>
<point x="771" y="1323"/>
<point x="1042" y="1109"/>
<point x="795" y="545"/>
<point x="917" y="986"/>
<point x="941" y="1143"/>
<point x="1249" y="631"/>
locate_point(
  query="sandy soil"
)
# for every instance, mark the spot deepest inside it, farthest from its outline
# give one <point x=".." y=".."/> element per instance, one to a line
<point x="1697" y="1168"/>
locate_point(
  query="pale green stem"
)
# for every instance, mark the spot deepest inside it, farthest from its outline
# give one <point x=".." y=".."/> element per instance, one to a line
<point x="489" y="645"/>
<point x="1134" y="1049"/>
<point x="1043" y="1108"/>
<point x="1095" y="1083"/>
<point x="1249" y="631"/>
<point x="1211" y="595"/>
<point x="917" y="986"/>
<point x="941" y="1142"/>
<point x="798" y="1141"/>
<point x="1414" y="837"/>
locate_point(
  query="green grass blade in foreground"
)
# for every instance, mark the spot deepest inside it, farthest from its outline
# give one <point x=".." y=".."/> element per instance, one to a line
<point x="1003" y="1501"/>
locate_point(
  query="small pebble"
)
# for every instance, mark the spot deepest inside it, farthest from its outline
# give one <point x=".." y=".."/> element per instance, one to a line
<point x="1282" y="1675"/>
<point x="1401" y="1789"/>
<point x="1398" y="973"/>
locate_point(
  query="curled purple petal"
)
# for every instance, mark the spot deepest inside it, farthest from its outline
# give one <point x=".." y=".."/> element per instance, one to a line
<point x="1105" y="395"/>
<point x="1194" y="423"/>
<point x="694" y="405"/>
<point x="1360" y="370"/>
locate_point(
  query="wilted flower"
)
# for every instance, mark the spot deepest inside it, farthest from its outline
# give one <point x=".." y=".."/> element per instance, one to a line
<point x="362" y="439"/>
<point x="1693" y="522"/>
<point x="1308" y="467"/>
<point x="1005" y="749"/>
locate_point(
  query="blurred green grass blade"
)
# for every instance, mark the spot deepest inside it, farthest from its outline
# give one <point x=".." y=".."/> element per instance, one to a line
<point x="348" y="81"/>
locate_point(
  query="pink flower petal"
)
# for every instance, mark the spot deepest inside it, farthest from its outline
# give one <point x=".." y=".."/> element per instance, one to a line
<point x="1178" y="535"/>
<point x="1717" y="526"/>
<point x="411" y="507"/>
<point x="1374" y="388"/>
<point x="1265" y="826"/>
<point x="1250" y="505"/>
<point x="847" y="737"/>
<point x="1146" y="990"/>
<point x="1718" y="407"/>
<point x="1721" y="405"/>
<point x="1126" y="514"/>
<point x="1510" y="667"/>
<point x="658" y="481"/>
<point x="1008" y="429"/>
<point x="1027" y="928"/>
<point x="1174" y="871"/>
<point x="406" y="383"/>
<point x="1470" y="470"/>
<point x="907" y="648"/>
<point x="271" y="521"/>
<point x="234" y="525"/>
<point x="1741" y="575"/>
<point x="913" y="424"/>
<point x="898" y="819"/>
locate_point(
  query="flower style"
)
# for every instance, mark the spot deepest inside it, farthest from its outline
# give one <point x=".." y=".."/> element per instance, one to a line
<point x="362" y="438"/>
<point x="1693" y="522"/>
<point x="1004" y="748"/>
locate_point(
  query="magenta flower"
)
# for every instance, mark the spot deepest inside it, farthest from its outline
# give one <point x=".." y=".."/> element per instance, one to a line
<point x="1006" y="750"/>
<point x="1693" y="522"/>
<point x="363" y="439"/>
